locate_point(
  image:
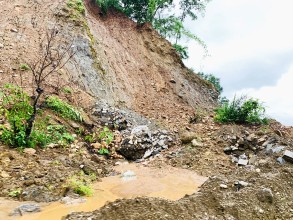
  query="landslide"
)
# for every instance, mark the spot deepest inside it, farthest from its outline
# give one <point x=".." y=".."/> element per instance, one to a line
<point x="260" y="190"/>
<point x="125" y="65"/>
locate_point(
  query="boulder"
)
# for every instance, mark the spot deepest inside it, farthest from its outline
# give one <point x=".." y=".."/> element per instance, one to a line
<point x="288" y="156"/>
<point x="265" y="195"/>
<point x="196" y="143"/>
<point x="26" y="208"/>
<point x="187" y="137"/>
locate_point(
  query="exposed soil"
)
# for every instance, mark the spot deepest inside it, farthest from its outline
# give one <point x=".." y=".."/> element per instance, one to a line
<point x="44" y="176"/>
<point x="265" y="194"/>
<point x="131" y="67"/>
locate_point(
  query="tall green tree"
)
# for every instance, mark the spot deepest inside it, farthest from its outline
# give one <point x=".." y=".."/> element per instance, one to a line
<point x="163" y="17"/>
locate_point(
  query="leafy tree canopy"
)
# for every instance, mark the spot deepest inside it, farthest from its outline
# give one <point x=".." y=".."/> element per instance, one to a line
<point x="166" y="16"/>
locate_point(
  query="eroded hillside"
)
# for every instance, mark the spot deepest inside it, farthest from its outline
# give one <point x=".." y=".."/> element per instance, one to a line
<point x="115" y="60"/>
<point x="157" y="114"/>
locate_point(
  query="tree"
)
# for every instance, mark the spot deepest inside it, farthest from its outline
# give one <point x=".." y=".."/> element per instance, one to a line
<point x="157" y="12"/>
<point x="144" y="11"/>
<point x="52" y="57"/>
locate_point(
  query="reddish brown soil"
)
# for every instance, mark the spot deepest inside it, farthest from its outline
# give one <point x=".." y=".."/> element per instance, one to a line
<point x="132" y="67"/>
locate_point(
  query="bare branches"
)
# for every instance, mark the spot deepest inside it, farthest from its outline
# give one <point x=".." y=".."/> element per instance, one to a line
<point x="52" y="57"/>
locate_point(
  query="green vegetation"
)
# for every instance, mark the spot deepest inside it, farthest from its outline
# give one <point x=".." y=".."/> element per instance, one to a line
<point x="106" y="135"/>
<point x="77" y="5"/>
<point x="15" y="193"/>
<point x="24" y="67"/>
<point x="241" y="111"/>
<point x="212" y="79"/>
<point x="17" y="110"/>
<point x="181" y="50"/>
<point x="106" y="5"/>
<point x="80" y="184"/>
<point x="63" y="108"/>
<point x="104" y="151"/>
<point x="67" y="90"/>
<point x="162" y="16"/>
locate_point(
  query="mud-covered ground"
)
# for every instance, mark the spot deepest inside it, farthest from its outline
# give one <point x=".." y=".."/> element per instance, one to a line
<point x="44" y="176"/>
<point x="260" y="190"/>
<point x="137" y="69"/>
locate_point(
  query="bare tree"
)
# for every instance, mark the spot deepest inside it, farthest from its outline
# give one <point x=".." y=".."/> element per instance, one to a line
<point x="52" y="57"/>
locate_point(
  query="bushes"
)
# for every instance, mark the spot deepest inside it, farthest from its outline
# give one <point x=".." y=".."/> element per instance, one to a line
<point x="77" y="5"/>
<point x="212" y="79"/>
<point x="241" y="111"/>
<point x="81" y="184"/>
<point x="63" y="108"/>
<point x="105" y="5"/>
<point x="16" y="108"/>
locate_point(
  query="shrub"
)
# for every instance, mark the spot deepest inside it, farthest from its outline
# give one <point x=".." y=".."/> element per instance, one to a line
<point x="16" y="107"/>
<point x="212" y="79"/>
<point x="77" y="5"/>
<point x="15" y="193"/>
<point x="103" y="151"/>
<point x="241" y="111"/>
<point x="63" y="108"/>
<point x="17" y="110"/>
<point x="105" y="5"/>
<point x="181" y="50"/>
<point x="106" y="135"/>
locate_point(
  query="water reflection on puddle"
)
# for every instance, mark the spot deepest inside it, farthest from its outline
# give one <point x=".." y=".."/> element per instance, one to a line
<point x="135" y="180"/>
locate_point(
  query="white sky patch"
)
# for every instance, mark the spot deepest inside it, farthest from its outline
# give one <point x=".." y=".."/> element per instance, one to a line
<point x="277" y="99"/>
<point x="251" y="46"/>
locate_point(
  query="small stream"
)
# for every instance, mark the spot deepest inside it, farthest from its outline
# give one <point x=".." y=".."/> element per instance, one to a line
<point x="135" y="180"/>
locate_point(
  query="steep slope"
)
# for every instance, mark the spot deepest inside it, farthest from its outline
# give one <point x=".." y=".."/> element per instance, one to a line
<point x="115" y="61"/>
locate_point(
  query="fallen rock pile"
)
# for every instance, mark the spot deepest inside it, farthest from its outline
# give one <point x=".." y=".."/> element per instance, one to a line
<point x="142" y="143"/>
<point x="141" y="138"/>
<point x="245" y="147"/>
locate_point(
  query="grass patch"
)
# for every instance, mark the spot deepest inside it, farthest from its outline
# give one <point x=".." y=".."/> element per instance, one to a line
<point x="81" y="184"/>
<point x="63" y="109"/>
<point x="77" y="5"/>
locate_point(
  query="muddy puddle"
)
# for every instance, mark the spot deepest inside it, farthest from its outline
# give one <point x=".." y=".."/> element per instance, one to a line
<point x="135" y="180"/>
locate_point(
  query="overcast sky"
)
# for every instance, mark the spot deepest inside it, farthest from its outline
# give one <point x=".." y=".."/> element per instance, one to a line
<point x="251" y="50"/>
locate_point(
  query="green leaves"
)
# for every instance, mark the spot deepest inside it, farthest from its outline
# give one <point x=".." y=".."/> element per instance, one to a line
<point x="17" y="110"/>
<point x="106" y="135"/>
<point x="106" y="5"/>
<point x="63" y="108"/>
<point x="212" y="79"/>
<point x="241" y="111"/>
<point x="181" y="50"/>
<point x="77" y="5"/>
<point x="161" y="14"/>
